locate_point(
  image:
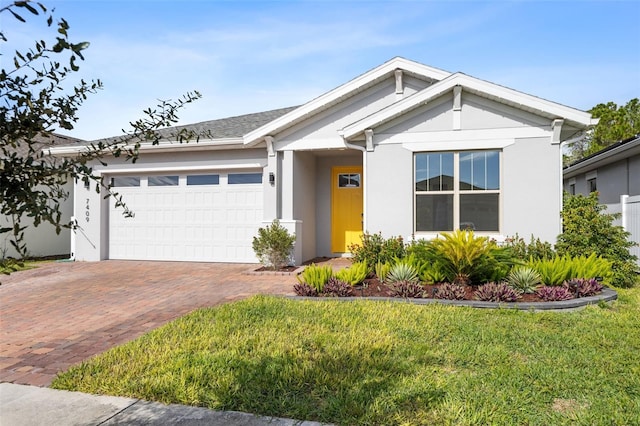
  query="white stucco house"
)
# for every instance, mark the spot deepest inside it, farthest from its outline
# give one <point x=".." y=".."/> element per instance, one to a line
<point x="403" y="149"/>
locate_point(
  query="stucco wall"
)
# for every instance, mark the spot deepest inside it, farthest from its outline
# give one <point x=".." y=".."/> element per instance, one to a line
<point x="321" y="130"/>
<point x="389" y="189"/>
<point x="41" y="240"/>
<point x="531" y="189"/>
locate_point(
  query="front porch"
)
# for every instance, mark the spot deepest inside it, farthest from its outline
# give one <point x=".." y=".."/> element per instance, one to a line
<point x="302" y="191"/>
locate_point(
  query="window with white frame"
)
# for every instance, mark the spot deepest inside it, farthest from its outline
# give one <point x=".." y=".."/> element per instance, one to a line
<point x="457" y="190"/>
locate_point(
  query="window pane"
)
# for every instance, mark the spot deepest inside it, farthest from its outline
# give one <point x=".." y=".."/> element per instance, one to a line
<point x="203" y="180"/>
<point x="244" y="178"/>
<point x="493" y="170"/>
<point x="124" y="181"/>
<point x="466" y="167"/>
<point x="479" y="212"/>
<point x="434" y="212"/>
<point x="434" y="172"/>
<point x="162" y="181"/>
<point x="479" y="170"/>
<point x="349" y="180"/>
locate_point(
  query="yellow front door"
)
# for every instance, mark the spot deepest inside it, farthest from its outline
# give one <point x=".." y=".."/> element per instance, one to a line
<point x="346" y="207"/>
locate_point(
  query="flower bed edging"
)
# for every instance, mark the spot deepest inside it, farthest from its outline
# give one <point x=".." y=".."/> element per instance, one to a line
<point x="607" y="295"/>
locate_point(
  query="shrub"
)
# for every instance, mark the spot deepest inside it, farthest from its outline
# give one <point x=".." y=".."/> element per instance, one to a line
<point x="588" y="230"/>
<point x="409" y="289"/>
<point x="374" y="248"/>
<point x="524" y="279"/>
<point x="382" y="270"/>
<point x="496" y="292"/>
<point x="592" y="266"/>
<point x="557" y="270"/>
<point x="338" y="288"/>
<point x="432" y="274"/>
<point x="419" y="252"/>
<point x="273" y="245"/>
<point x="582" y="287"/>
<point x="354" y="274"/>
<point x="553" y="293"/>
<point x="304" y="289"/>
<point x="402" y="272"/>
<point x="536" y="249"/>
<point x="449" y="291"/>
<point x="461" y="256"/>
<point x="316" y="276"/>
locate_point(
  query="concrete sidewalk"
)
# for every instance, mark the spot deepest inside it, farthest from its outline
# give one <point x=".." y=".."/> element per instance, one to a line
<point x="22" y="405"/>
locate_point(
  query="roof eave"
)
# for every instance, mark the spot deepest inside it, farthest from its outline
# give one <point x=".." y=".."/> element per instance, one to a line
<point x="164" y="146"/>
<point x="606" y="157"/>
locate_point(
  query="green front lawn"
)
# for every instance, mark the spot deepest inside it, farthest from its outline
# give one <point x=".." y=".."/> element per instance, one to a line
<point x="386" y="363"/>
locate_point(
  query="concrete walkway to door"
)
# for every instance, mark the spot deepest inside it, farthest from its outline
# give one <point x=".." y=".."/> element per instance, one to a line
<point x="62" y="313"/>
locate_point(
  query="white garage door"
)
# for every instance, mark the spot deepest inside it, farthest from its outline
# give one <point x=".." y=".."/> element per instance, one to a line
<point x="198" y="217"/>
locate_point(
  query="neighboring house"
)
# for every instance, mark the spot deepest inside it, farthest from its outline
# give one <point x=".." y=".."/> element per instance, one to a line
<point x="614" y="172"/>
<point x="404" y="149"/>
<point x="42" y="241"/>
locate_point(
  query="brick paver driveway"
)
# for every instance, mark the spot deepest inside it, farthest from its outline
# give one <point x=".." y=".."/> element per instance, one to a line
<point x="62" y="313"/>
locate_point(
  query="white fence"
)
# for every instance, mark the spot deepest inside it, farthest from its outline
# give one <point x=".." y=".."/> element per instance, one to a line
<point x="629" y="207"/>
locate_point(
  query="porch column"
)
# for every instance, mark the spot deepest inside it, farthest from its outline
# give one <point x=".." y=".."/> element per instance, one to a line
<point x="286" y="185"/>
<point x="271" y="188"/>
<point x="286" y="192"/>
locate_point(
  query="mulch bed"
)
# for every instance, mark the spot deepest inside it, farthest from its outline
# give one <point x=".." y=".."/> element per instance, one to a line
<point x="374" y="288"/>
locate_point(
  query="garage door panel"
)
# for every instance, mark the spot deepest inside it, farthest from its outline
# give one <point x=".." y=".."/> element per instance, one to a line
<point x="191" y="223"/>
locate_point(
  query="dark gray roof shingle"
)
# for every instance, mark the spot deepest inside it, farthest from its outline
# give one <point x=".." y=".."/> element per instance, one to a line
<point x="40" y="142"/>
<point x="222" y="128"/>
<point x="231" y="127"/>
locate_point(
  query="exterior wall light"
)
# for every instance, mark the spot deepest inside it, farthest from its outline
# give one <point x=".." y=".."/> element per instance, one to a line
<point x="272" y="178"/>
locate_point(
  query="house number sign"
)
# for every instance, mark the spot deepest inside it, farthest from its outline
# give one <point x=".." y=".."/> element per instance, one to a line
<point x="86" y="212"/>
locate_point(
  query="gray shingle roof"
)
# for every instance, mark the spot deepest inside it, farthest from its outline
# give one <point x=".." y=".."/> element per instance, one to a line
<point x="231" y="127"/>
<point x="40" y="142"/>
<point x="223" y="128"/>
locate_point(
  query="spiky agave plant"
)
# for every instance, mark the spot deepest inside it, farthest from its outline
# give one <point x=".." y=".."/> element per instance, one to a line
<point x="524" y="279"/>
<point x="402" y="271"/>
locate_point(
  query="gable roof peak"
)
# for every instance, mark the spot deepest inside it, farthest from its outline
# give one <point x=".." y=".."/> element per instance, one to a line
<point x="356" y="85"/>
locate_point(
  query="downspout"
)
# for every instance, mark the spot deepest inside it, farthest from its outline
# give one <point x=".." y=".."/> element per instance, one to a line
<point x="365" y="178"/>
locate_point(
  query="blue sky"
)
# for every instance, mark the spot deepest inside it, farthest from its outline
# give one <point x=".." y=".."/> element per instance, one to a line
<point x="254" y="56"/>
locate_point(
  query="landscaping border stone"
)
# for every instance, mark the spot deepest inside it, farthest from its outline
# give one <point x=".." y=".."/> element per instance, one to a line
<point x="607" y="295"/>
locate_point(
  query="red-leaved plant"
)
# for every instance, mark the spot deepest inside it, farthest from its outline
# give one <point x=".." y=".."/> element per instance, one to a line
<point x="337" y="288"/>
<point x="554" y="293"/>
<point x="496" y="292"/>
<point x="449" y="291"/>
<point x="304" y="289"/>
<point x="583" y="287"/>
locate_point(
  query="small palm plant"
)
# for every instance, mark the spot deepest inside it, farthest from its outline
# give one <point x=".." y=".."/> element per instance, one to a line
<point x="464" y="258"/>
